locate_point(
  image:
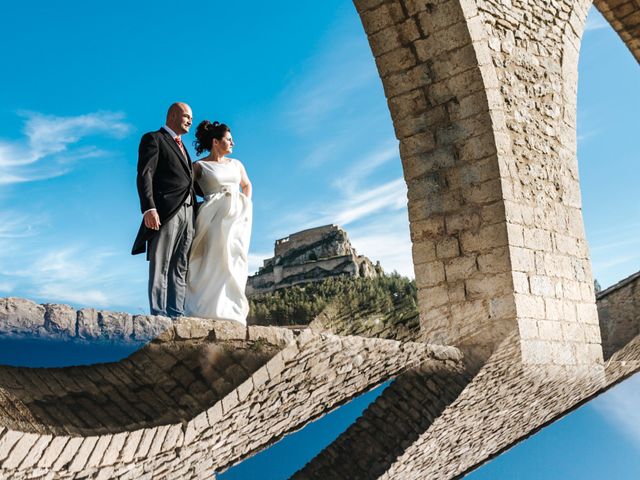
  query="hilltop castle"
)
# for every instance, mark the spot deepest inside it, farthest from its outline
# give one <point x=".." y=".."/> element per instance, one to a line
<point x="308" y="256"/>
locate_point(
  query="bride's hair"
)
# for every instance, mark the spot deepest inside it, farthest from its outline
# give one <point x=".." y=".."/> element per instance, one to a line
<point x="206" y="132"/>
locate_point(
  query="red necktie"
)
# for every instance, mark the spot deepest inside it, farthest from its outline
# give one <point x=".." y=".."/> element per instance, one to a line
<point x="179" y="142"/>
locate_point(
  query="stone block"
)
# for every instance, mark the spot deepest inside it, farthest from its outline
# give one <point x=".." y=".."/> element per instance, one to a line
<point x="445" y="41"/>
<point x="229" y="330"/>
<point x="562" y="354"/>
<point x="535" y="352"/>
<point x="496" y="261"/>
<point x="398" y="60"/>
<point x="52" y="452"/>
<point x="149" y="327"/>
<point x="115" y="325"/>
<point x="554" y="309"/>
<point x="530" y="306"/>
<point x="447" y="248"/>
<point x="18" y="315"/>
<point x="528" y="328"/>
<point x="427" y="229"/>
<point x="537" y="239"/>
<point x="408" y="104"/>
<point x="20" y="449"/>
<point x="486" y="238"/>
<point x="423" y="252"/>
<point x="522" y="260"/>
<point x="383" y="16"/>
<point x="419" y="143"/>
<point x="550" y="331"/>
<point x="460" y="268"/>
<point x="279" y="337"/>
<point x="429" y="274"/>
<point x="173" y="440"/>
<point x="98" y="451"/>
<point x="188" y="328"/>
<point x="82" y="455"/>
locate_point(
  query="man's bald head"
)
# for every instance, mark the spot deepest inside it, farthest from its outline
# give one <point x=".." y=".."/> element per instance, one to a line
<point x="179" y="117"/>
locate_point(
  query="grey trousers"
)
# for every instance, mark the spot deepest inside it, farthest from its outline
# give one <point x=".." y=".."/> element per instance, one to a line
<point x="168" y="264"/>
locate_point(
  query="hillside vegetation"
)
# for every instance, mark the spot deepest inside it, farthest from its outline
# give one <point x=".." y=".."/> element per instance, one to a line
<point x="345" y="305"/>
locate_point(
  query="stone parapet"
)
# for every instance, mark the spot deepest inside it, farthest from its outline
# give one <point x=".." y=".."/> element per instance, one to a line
<point x="197" y="399"/>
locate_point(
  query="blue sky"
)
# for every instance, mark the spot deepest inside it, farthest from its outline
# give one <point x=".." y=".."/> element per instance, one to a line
<point x="299" y="88"/>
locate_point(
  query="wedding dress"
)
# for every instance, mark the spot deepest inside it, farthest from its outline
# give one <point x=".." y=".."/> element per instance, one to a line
<point x="218" y="264"/>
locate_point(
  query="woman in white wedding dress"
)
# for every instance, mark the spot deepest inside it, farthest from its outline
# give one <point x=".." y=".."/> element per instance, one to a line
<point x="218" y="264"/>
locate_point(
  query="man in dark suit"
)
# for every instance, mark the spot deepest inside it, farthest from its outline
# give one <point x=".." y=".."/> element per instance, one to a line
<point x="165" y="188"/>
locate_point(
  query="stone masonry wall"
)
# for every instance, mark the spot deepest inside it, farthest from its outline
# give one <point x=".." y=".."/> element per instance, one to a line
<point x="534" y="49"/>
<point x="619" y="313"/>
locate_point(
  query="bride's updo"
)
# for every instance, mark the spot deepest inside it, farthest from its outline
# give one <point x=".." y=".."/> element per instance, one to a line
<point x="206" y="132"/>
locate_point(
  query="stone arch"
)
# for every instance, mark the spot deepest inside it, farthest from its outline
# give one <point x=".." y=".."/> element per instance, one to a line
<point x="482" y="96"/>
<point x="624" y="17"/>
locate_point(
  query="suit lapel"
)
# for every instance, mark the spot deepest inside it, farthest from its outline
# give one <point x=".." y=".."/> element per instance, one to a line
<point x="184" y="157"/>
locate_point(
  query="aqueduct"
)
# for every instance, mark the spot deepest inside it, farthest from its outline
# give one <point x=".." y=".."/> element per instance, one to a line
<point x="482" y="95"/>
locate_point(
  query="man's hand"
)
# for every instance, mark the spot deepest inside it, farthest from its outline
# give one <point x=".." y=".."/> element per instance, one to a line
<point x="151" y="219"/>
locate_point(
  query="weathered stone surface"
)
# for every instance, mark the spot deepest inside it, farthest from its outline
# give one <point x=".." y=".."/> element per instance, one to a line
<point x="60" y="319"/>
<point x="310" y="255"/>
<point x="273" y="336"/>
<point x="115" y="325"/>
<point x="21" y="316"/>
<point x="187" y="328"/>
<point x="88" y="327"/>
<point x="148" y="327"/>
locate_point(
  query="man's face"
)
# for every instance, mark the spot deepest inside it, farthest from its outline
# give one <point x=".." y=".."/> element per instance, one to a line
<point x="181" y="119"/>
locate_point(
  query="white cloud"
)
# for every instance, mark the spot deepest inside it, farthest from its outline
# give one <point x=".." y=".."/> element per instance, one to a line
<point x="256" y="260"/>
<point x="78" y="274"/>
<point x="365" y="166"/>
<point x="386" y="240"/>
<point x="619" y="406"/>
<point x="55" y="139"/>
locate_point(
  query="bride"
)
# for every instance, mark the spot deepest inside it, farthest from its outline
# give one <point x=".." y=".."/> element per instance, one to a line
<point x="218" y="265"/>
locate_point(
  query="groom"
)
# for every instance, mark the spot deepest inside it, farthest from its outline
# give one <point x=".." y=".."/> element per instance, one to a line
<point x="165" y="188"/>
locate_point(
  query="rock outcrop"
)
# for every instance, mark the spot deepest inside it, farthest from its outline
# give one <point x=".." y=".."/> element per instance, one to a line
<point x="308" y="256"/>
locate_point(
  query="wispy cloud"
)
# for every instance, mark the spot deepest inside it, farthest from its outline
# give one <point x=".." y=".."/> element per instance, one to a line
<point x="386" y="239"/>
<point x="620" y="407"/>
<point x="57" y="140"/>
<point x="362" y="168"/>
<point x="330" y="81"/>
<point x="256" y="260"/>
<point x="79" y="274"/>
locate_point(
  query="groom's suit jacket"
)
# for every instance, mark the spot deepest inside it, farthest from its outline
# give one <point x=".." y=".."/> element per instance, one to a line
<point x="165" y="181"/>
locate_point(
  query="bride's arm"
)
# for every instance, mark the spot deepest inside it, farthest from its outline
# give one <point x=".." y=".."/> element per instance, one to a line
<point x="245" y="183"/>
<point x="197" y="171"/>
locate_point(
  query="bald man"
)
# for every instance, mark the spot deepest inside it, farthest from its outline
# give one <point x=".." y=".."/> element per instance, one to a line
<point x="167" y="199"/>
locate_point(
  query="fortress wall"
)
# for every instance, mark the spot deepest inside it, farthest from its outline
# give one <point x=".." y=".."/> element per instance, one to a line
<point x="305" y="237"/>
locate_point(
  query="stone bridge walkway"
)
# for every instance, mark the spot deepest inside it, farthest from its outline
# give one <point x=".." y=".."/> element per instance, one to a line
<point x="199" y="398"/>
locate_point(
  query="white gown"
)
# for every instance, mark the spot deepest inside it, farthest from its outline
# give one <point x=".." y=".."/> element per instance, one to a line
<point x="218" y="265"/>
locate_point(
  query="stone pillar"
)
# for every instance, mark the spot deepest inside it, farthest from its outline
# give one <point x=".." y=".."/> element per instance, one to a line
<point x="483" y="101"/>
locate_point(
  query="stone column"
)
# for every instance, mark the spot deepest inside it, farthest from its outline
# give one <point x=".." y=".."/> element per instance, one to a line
<point x="483" y="101"/>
